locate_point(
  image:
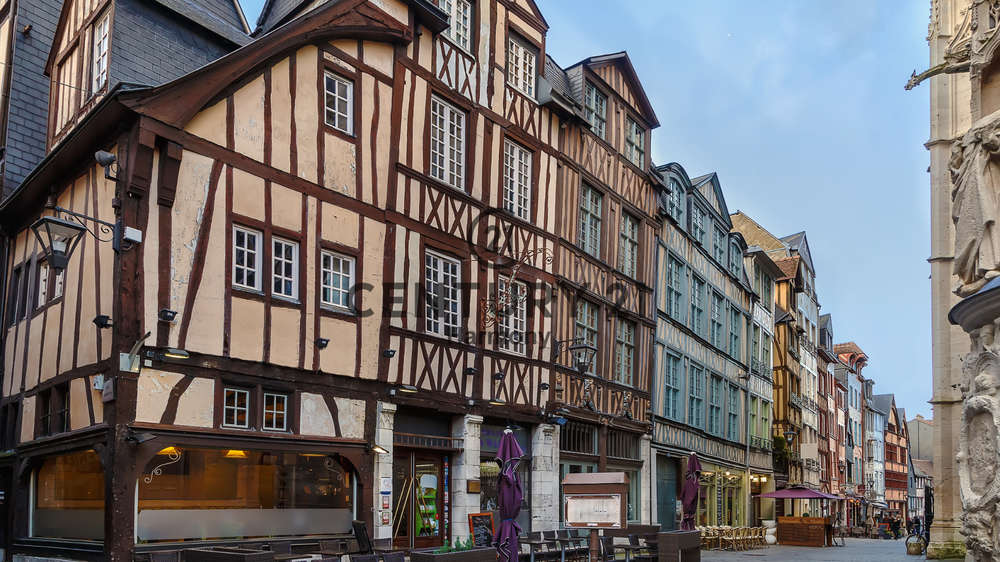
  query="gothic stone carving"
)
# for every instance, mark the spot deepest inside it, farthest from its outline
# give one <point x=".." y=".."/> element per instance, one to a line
<point x="975" y="176"/>
<point x="979" y="444"/>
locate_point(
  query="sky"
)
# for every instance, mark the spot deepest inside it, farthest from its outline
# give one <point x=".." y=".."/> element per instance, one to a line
<point x="800" y="109"/>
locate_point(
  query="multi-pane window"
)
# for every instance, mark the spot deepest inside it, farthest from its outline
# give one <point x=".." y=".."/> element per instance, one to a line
<point x="715" y="399"/>
<point x="762" y="284"/>
<point x="698" y="224"/>
<point x="517" y="184"/>
<point x="521" y="67"/>
<point x="461" y="19"/>
<point x="695" y="395"/>
<point x="586" y="324"/>
<point x="765" y="419"/>
<point x="339" y="103"/>
<point x="100" y="70"/>
<point x="441" y="278"/>
<point x="765" y="354"/>
<point x="590" y="220"/>
<point x="719" y="245"/>
<point x="447" y="143"/>
<point x="285" y="268"/>
<point x="50" y="287"/>
<point x="733" y="425"/>
<point x="697" y="306"/>
<point x="596" y="104"/>
<point x="635" y="143"/>
<point x="514" y="319"/>
<point x="734" y="334"/>
<point x="755" y="343"/>
<point x="628" y="247"/>
<point x="675" y="276"/>
<point x="675" y="202"/>
<point x="275" y="408"/>
<point x="236" y="408"/>
<point x="624" y="351"/>
<point x="337" y="278"/>
<point x="246" y="258"/>
<point x="735" y="259"/>
<point x="754" y="431"/>
<point x="718" y="311"/>
<point x="45" y="413"/>
<point x="671" y="397"/>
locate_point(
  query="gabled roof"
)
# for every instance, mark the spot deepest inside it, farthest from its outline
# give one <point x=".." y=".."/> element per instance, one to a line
<point x="883" y="402"/>
<point x="755" y="234"/>
<point x="176" y="102"/>
<point x="278" y="12"/>
<point x="220" y="17"/>
<point x="625" y="63"/>
<point x="799" y="243"/>
<point x="789" y="267"/>
<point x="925" y="466"/>
<point x="709" y="187"/>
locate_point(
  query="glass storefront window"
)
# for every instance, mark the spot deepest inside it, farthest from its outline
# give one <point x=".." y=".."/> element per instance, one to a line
<point x="187" y="494"/>
<point x="571" y="467"/>
<point x="489" y="469"/>
<point x="632" y="501"/>
<point x="69" y="498"/>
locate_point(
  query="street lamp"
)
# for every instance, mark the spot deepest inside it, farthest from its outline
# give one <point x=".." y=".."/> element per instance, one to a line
<point x="790" y="436"/>
<point x="842" y="466"/>
<point x="58" y="238"/>
<point x="582" y="353"/>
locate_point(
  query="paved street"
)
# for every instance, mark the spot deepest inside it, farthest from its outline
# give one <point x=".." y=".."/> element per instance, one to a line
<point x="857" y="550"/>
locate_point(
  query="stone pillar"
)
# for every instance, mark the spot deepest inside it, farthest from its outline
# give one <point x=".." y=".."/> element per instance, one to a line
<point x="464" y="467"/>
<point x="544" y="478"/>
<point x="646" y="480"/>
<point x="383" y="468"/>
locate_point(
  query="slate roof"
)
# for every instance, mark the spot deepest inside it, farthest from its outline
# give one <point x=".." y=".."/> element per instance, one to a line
<point x="274" y="11"/>
<point x="800" y="242"/>
<point x="218" y="16"/>
<point x="557" y="77"/>
<point x="849" y="347"/>
<point x="824" y="321"/>
<point x="883" y="402"/>
<point x="924" y="466"/>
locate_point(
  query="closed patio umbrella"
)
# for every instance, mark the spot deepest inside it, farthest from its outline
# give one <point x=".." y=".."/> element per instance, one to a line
<point x="510" y="495"/>
<point x="689" y="493"/>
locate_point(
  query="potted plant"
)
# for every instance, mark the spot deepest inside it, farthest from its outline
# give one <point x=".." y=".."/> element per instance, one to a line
<point x="459" y="551"/>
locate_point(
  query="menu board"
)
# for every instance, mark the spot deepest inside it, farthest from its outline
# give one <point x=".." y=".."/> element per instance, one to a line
<point x="593" y="510"/>
<point x="482" y="529"/>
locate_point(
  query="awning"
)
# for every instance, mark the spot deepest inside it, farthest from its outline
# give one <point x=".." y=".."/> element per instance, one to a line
<point x="798" y="493"/>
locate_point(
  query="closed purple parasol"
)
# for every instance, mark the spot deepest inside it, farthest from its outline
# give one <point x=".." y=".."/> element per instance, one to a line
<point x="689" y="494"/>
<point x="510" y="495"/>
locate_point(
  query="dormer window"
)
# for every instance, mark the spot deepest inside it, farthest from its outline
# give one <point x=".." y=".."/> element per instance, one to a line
<point x="675" y="203"/>
<point x="461" y="19"/>
<point x="521" y="65"/>
<point x="596" y="104"/>
<point x="101" y="53"/>
<point x="735" y="257"/>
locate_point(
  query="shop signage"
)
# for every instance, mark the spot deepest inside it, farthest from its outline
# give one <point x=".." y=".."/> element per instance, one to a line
<point x="688" y="441"/>
<point x="601" y="511"/>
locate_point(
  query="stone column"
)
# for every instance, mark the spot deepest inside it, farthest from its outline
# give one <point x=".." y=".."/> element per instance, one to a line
<point x="464" y="467"/>
<point x="383" y="467"/>
<point x="544" y="478"/>
<point x="646" y="480"/>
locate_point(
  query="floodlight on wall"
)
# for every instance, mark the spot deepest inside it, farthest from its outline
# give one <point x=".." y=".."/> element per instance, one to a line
<point x="236" y="454"/>
<point x="109" y="162"/>
<point x="103" y="321"/>
<point x="176" y="353"/>
<point x="379" y="449"/>
<point x="499" y="376"/>
<point x="470" y="371"/>
<point x="497" y="402"/>
<point x="140" y="437"/>
<point x="167" y="315"/>
<point x="388" y="353"/>
<point x="543" y="386"/>
<point x="322" y="342"/>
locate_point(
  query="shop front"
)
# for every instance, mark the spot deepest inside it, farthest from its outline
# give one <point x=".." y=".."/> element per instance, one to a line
<point x="489" y="469"/>
<point x="721" y="496"/>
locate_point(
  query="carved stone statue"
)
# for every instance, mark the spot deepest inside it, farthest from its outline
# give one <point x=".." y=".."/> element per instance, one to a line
<point x="975" y="175"/>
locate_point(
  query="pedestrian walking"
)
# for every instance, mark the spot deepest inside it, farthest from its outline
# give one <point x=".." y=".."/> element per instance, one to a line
<point x="894" y="525"/>
<point x="909" y="526"/>
<point x="916" y="525"/>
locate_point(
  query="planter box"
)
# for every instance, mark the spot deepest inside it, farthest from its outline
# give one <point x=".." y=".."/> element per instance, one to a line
<point x="474" y="555"/>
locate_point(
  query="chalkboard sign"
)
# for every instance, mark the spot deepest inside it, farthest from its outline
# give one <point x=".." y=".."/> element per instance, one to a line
<point x="482" y="529"/>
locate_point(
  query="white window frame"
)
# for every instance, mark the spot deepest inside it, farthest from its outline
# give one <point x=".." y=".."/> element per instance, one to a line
<point x="596" y="107"/>
<point x="719" y="241"/>
<point x="628" y="247"/>
<point x="256" y="252"/>
<point x="447" y="143"/>
<point x="43" y="284"/>
<point x="514" y="319"/>
<point x="735" y="260"/>
<point x="697" y="305"/>
<point x="235" y="408"/>
<point x="522" y="65"/>
<point x="277" y="260"/>
<point x="698" y="217"/>
<point x="625" y="351"/>
<point x="675" y="202"/>
<point x="347" y="97"/>
<point x="517" y="180"/>
<point x="715" y="388"/>
<point x="671" y="407"/>
<point x="100" y="60"/>
<point x="327" y="275"/>
<point x="591" y="202"/>
<point x="696" y="396"/>
<point x="274" y="412"/>
<point x="675" y="293"/>
<point x="437" y="319"/>
<point x="587" y="324"/>
<point x="717" y="320"/>
<point x="460" y="30"/>
<point x="635" y="143"/>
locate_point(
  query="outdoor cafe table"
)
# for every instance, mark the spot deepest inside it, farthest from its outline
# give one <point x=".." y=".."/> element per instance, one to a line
<point x="563" y="541"/>
<point x="630" y="548"/>
<point x="533" y="544"/>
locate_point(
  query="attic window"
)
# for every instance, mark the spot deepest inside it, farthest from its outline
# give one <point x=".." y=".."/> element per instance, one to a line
<point x="101" y="53"/>
<point x="635" y="143"/>
<point x="596" y="103"/>
<point x="521" y="66"/>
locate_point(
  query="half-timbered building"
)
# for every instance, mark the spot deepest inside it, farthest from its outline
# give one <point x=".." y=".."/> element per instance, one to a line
<point x="897" y="455"/>
<point x="334" y="290"/>
<point x="605" y="272"/>
<point x="701" y="374"/>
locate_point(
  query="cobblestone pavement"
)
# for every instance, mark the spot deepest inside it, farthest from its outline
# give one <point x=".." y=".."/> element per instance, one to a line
<point x="856" y="550"/>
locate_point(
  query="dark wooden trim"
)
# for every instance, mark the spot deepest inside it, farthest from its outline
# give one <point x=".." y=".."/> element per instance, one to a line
<point x="227" y="320"/>
<point x="200" y="251"/>
<point x="170" y="411"/>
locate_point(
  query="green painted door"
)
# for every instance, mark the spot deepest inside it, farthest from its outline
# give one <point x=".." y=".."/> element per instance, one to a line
<point x="666" y="493"/>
